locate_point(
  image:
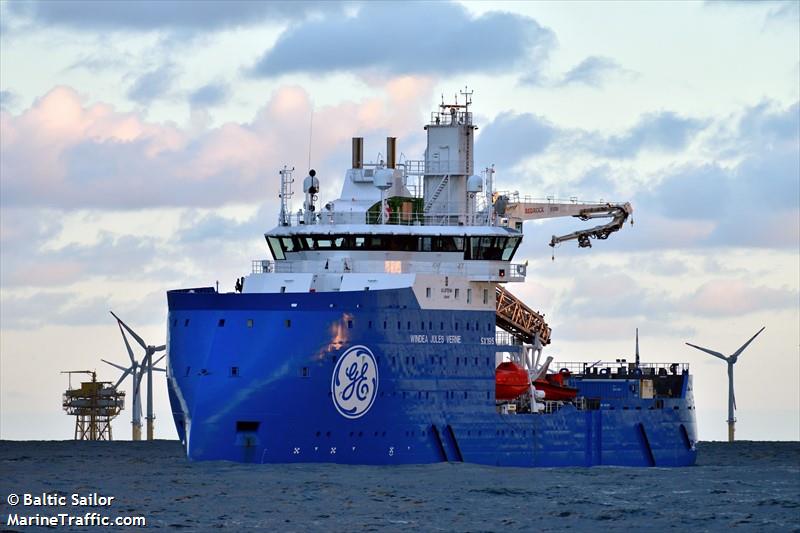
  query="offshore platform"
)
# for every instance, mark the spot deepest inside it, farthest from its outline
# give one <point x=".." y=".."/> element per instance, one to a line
<point x="94" y="405"/>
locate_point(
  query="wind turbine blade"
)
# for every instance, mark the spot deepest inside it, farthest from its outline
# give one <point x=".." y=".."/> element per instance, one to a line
<point x="160" y="348"/>
<point x="734" y="400"/>
<point x="710" y="352"/>
<point x="136" y="337"/>
<point x="122" y="377"/>
<point x="159" y="370"/>
<point x="159" y="360"/>
<point x="745" y="345"/>
<point x="127" y="344"/>
<point x="115" y="365"/>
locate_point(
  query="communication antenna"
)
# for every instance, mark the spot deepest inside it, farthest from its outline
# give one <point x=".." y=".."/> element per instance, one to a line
<point x="310" y="134"/>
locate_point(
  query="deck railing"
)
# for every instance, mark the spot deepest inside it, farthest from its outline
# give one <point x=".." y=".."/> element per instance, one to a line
<point x="620" y="368"/>
<point x="459" y="268"/>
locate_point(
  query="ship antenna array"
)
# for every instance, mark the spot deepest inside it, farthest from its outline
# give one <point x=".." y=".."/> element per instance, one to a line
<point x="285" y="195"/>
<point x="310" y="134"/>
<point x="467" y="94"/>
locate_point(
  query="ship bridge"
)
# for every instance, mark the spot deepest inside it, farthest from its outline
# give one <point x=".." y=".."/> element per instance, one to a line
<point x="428" y="224"/>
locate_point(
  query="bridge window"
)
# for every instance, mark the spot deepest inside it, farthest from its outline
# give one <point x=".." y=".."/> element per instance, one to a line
<point x="492" y="248"/>
<point x="469" y="296"/>
<point x="281" y="245"/>
<point x="275" y="249"/>
<point x="485" y="296"/>
<point x="510" y="248"/>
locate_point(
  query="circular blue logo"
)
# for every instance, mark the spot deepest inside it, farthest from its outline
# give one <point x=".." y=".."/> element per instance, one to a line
<point x="354" y="384"/>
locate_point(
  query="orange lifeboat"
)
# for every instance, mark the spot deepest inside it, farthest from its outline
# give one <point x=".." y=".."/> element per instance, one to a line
<point x="510" y="381"/>
<point x="554" y="388"/>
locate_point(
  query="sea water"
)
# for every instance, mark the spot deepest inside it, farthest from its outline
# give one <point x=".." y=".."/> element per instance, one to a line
<point x="746" y="486"/>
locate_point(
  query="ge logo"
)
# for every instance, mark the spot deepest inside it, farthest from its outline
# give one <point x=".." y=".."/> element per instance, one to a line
<point x="354" y="384"/>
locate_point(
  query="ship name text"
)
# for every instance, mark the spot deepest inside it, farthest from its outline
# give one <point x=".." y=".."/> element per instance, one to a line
<point x="435" y="339"/>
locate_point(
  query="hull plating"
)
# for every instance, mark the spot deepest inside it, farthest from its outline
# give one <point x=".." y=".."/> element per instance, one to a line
<point x="251" y="378"/>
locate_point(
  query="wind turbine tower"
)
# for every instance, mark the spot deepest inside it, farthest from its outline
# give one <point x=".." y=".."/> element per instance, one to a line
<point x="731" y="360"/>
<point x="137" y="370"/>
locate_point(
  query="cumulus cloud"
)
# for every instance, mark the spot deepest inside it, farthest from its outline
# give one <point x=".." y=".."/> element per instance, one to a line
<point x="776" y="11"/>
<point x="69" y="308"/>
<point x="209" y="95"/>
<point x="755" y="202"/>
<point x="153" y="85"/>
<point x="7" y="99"/>
<point x="665" y="131"/>
<point x="735" y="297"/>
<point x="511" y="137"/>
<point x="593" y="71"/>
<point x="428" y="38"/>
<point x="607" y="295"/>
<point x="29" y="259"/>
<point x="64" y="153"/>
<point x="165" y="14"/>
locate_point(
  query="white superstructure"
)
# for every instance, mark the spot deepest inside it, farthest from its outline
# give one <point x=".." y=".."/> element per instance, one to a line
<point x="431" y="224"/>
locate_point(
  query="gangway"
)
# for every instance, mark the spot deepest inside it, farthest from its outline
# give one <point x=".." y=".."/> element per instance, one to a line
<point x="520" y="320"/>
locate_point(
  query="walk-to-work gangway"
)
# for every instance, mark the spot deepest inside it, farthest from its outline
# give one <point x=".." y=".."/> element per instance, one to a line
<point x="520" y="320"/>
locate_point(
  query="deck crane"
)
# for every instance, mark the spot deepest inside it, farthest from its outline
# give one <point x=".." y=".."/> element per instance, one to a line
<point x="517" y="210"/>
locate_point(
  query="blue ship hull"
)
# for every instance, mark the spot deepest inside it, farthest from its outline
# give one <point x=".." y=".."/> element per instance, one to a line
<point x="250" y="380"/>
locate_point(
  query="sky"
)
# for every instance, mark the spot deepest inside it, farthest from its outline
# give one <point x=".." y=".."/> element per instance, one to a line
<point x="140" y="144"/>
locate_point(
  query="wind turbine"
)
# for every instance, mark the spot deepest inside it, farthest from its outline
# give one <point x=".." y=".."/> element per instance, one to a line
<point x="731" y="360"/>
<point x="137" y="371"/>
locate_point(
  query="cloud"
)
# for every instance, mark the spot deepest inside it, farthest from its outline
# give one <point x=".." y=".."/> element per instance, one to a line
<point x="511" y="137"/>
<point x="68" y="308"/>
<point x="63" y="153"/>
<point x="755" y="202"/>
<point x="778" y="12"/>
<point x="152" y="85"/>
<point x="605" y="293"/>
<point x="165" y="14"/>
<point x="721" y="298"/>
<point x="8" y="99"/>
<point x="593" y="71"/>
<point x="412" y="37"/>
<point x="30" y="260"/>
<point x="665" y="131"/>
<point x="209" y="95"/>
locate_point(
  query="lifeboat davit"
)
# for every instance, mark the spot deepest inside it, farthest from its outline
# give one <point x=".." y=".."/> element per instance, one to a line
<point x="552" y="385"/>
<point x="510" y="381"/>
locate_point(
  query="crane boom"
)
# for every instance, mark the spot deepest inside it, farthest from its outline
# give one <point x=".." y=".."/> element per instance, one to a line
<point x="519" y="211"/>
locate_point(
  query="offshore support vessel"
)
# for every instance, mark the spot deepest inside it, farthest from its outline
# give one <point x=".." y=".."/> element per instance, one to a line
<point x="382" y="331"/>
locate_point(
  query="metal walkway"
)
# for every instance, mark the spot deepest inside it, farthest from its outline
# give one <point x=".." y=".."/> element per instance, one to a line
<point x="520" y="320"/>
